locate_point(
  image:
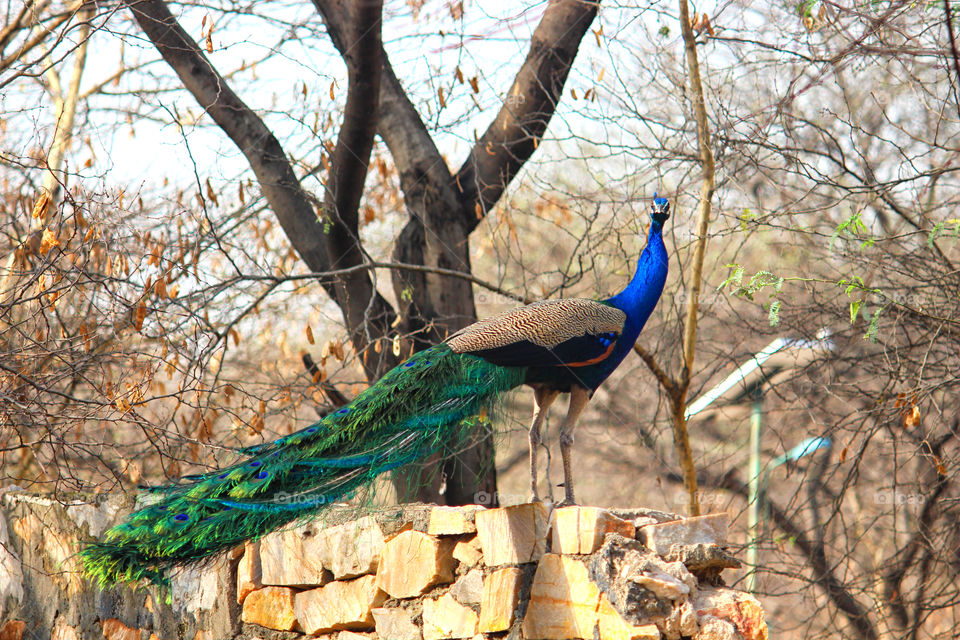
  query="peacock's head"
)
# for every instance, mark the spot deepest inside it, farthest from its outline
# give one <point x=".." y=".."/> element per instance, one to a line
<point x="660" y="210"/>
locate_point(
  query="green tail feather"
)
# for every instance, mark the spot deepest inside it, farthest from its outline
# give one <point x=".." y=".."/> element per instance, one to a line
<point x="426" y="405"/>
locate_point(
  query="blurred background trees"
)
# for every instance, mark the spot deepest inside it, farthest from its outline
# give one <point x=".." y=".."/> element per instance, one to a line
<point x="155" y="309"/>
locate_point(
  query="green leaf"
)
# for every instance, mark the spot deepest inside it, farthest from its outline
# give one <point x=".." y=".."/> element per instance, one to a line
<point x="735" y="278"/>
<point x="854" y="310"/>
<point x="873" y="329"/>
<point x="773" y="315"/>
<point x="937" y="228"/>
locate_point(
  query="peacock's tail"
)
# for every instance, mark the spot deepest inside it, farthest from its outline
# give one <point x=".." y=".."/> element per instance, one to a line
<point x="425" y="405"/>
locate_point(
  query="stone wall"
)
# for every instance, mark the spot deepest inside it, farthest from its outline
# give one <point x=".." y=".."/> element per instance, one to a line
<point x="405" y="573"/>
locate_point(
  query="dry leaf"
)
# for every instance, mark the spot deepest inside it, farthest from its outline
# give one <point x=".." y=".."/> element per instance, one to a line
<point x="911" y="418"/>
<point x="49" y="240"/>
<point x="310" y="335"/>
<point x="396" y="346"/>
<point x="458" y="74"/>
<point x="139" y="316"/>
<point x="475" y="84"/>
<point x="41" y="205"/>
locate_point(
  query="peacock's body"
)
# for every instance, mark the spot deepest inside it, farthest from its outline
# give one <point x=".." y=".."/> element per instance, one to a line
<point x="425" y="405"/>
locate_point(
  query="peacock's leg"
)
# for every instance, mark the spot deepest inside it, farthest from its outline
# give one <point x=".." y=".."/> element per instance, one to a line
<point x="579" y="397"/>
<point x="542" y="399"/>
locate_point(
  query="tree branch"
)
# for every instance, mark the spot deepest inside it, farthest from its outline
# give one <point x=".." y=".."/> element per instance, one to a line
<point x="516" y="132"/>
<point x="680" y="433"/>
<point x="290" y="203"/>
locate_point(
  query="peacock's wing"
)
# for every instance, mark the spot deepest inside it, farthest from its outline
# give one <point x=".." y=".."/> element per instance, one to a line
<point x="567" y="332"/>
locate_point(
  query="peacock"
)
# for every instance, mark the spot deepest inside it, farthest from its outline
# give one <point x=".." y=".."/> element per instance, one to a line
<point x="438" y="396"/>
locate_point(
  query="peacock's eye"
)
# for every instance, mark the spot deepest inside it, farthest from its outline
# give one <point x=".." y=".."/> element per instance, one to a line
<point x="255" y="463"/>
<point x="181" y="517"/>
<point x="343" y="411"/>
<point x="312" y="430"/>
<point x="263" y="475"/>
<point x="222" y="476"/>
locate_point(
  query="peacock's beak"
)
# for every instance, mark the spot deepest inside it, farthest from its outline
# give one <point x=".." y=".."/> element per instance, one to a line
<point x="660" y="210"/>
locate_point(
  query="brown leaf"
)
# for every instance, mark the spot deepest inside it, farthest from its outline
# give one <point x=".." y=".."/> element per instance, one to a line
<point x="443" y="100"/>
<point x="458" y="74"/>
<point x="911" y="418"/>
<point x="139" y="316"/>
<point x="210" y="40"/>
<point x="41" y="205"/>
<point x="310" y="334"/>
<point x="49" y="240"/>
<point x="475" y="84"/>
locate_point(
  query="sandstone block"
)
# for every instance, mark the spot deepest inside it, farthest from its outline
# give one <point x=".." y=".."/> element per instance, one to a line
<point x="290" y="558"/>
<point x="468" y="552"/>
<point x="740" y="609"/>
<point x="351" y="549"/>
<point x="612" y="626"/>
<point x="339" y="605"/>
<point x="445" y="618"/>
<point x="468" y="589"/>
<point x="249" y="573"/>
<point x="60" y="632"/>
<point x="512" y="535"/>
<point x="13" y="629"/>
<point x="641" y="586"/>
<point x="352" y="635"/>
<point x="270" y="607"/>
<point x="501" y="590"/>
<point x="682" y="623"/>
<point x="711" y="529"/>
<point x="113" y="629"/>
<point x="563" y="601"/>
<point x="395" y="624"/>
<point x="412" y="562"/>
<point x="716" y="629"/>
<point x="580" y="530"/>
<point x="453" y="521"/>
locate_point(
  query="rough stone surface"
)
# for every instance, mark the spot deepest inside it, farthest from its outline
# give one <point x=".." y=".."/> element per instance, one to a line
<point x="468" y="589"/>
<point x="563" y="600"/>
<point x="681" y="623"/>
<point x="351" y="549"/>
<point x="640" y="585"/>
<point x="705" y="561"/>
<point x="353" y="635"/>
<point x="711" y="529"/>
<point x="292" y="558"/>
<point x="712" y="628"/>
<point x="612" y="626"/>
<point x="395" y="624"/>
<point x="740" y="609"/>
<point x="445" y="618"/>
<point x="249" y="572"/>
<point x="13" y="629"/>
<point x="580" y="530"/>
<point x="113" y="629"/>
<point x="412" y="562"/>
<point x="270" y="607"/>
<point x="512" y="535"/>
<point x="66" y="632"/>
<point x="11" y="571"/>
<point x="501" y="597"/>
<point x="453" y="521"/>
<point x="339" y="605"/>
<point x="468" y="552"/>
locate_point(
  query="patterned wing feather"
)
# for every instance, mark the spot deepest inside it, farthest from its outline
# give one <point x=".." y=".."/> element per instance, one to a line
<point x="569" y="331"/>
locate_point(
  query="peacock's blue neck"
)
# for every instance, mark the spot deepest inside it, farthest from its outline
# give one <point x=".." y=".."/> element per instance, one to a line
<point x="640" y="297"/>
